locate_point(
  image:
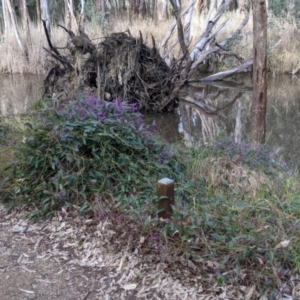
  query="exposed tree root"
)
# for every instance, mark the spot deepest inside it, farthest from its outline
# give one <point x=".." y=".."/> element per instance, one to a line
<point x="120" y="66"/>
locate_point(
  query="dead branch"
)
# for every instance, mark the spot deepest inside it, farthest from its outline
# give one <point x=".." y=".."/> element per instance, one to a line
<point x="214" y="112"/>
<point x="180" y="33"/>
<point x="206" y="45"/>
<point x="170" y="32"/>
<point x="60" y="58"/>
<point x="238" y="30"/>
<point x="70" y="32"/>
<point x="49" y="40"/>
<point x="228" y="73"/>
<point x="206" y="36"/>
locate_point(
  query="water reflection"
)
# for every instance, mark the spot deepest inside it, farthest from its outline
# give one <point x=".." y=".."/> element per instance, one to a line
<point x="283" y="117"/>
<point x="18" y="93"/>
<point x="205" y="111"/>
<point x="209" y="109"/>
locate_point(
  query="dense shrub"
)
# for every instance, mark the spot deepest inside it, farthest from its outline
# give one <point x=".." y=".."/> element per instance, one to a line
<point x="88" y="150"/>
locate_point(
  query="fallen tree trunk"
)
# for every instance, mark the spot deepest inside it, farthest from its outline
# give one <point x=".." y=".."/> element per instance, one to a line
<point x="224" y="74"/>
<point x="122" y="66"/>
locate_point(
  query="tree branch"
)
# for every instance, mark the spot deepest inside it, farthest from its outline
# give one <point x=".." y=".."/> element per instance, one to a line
<point x="228" y="73"/>
<point x="180" y="33"/>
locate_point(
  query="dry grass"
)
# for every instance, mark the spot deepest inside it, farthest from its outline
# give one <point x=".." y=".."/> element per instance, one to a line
<point x="12" y="60"/>
<point x="223" y="174"/>
<point x="17" y="95"/>
<point x="282" y="59"/>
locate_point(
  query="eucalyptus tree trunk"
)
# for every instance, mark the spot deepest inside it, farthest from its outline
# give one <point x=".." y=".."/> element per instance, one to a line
<point x="82" y="14"/>
<point x="162" y="10"/>
<point x="38" y="12"/>
<point x="23" y="11"/>
<point x="45" y="14"/>
<point x="187" y="22"/>
<point x="142" y="9"/>
<point x="259" y="104"/>
<point x="103" y="7"/>
<point x="166" y="9"/>
<point x="6" y="21"/>
<point x="70" y="18"/>
<point x="67" y="18"/>
<point x="12" y="15"/>
<point x="122" y="9"/>
<point x="152" y="4"/>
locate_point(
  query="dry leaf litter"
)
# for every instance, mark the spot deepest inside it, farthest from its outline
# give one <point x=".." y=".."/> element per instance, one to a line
<point x="63" y="258"/>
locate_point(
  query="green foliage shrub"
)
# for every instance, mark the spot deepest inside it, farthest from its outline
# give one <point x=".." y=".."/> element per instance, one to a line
<point x="4" y="129"/>
<point x="87" y="150"/>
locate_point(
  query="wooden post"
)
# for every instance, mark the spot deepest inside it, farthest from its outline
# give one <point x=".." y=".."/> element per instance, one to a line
<point x="165" y="197"/>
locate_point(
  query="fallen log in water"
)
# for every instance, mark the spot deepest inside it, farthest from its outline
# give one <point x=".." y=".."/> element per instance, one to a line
<point x="123" y="66"/>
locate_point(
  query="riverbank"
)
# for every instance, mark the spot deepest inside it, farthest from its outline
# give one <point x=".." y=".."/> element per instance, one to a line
<point x="235" y="219"/>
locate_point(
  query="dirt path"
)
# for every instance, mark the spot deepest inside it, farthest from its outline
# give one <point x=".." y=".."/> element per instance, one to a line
<point x="64" y="260"/>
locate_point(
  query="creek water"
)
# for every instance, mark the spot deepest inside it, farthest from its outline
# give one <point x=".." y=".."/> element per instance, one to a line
<point x="206" y="111"/>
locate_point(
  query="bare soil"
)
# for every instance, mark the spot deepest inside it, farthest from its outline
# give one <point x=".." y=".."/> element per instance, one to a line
<point x="63" y="258"/>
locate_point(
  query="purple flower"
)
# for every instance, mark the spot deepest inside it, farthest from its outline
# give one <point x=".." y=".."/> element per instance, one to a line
<point x="60" y="195"/>
<point x="62" y="137"/>
<point x="154" y="239"/>
<point x="159" y="247"/>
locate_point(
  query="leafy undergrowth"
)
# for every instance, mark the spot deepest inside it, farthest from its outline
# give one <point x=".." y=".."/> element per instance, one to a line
<point x="236" y="214"/>
<point x="11" y="133"/>
<point x="87" y="151"/>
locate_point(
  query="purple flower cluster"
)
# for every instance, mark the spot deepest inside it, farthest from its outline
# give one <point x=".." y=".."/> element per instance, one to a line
<point x="157" y="243"/>
<point x="60" y="194"/>
<point x="94" y="108"/>
<point x="163" y="156"/>
<point x="252" y="154"/>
